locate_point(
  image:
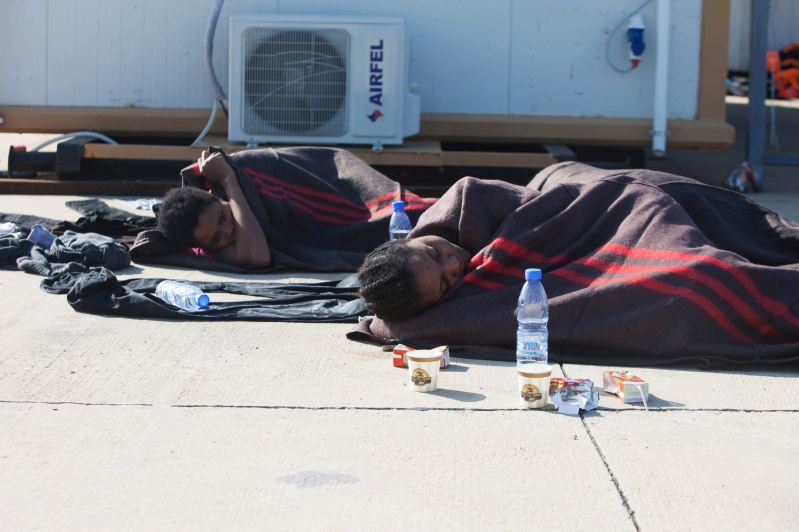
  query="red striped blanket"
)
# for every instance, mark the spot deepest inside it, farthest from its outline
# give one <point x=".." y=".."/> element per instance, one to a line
<point x="640" y="268"/>
<point x="321" y="209"/>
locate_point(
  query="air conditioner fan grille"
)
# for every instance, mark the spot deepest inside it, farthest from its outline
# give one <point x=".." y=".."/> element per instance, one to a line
<point x="295" y="82"/>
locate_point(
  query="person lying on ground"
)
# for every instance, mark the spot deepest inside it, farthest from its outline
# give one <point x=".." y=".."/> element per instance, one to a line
<point x="319" y="209"/>
<point x="640" y="267"/>
<point x="401" y="278"/>
<point x="193" y="218"/>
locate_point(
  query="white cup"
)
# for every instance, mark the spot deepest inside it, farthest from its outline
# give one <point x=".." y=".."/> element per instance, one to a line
<point x="534" y="384"/>
<point x="423" y="366"/>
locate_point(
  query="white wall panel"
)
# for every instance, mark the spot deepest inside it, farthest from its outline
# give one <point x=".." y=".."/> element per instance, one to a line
<point x="526" y="57"/>
<point x="559" y="68"/>
<point x="142" y="53"/>
<point x="459" y="48"/>
<point x="23" y="52"/>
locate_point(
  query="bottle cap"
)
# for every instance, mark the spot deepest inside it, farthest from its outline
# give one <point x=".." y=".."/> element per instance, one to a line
<point x="532" y="274"/>
<point x="202" y="300"/>
<point x="398" y="206"/>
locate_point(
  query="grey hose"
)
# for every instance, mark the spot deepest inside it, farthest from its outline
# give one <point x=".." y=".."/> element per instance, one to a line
<point x="219" y="93"/>
<point x="91" y="134"/>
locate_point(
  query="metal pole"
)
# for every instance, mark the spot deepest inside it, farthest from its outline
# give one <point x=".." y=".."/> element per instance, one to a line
<point x="756" y="141"/>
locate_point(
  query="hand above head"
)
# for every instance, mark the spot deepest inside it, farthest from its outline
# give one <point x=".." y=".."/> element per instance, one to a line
<point x="214" y="167"/>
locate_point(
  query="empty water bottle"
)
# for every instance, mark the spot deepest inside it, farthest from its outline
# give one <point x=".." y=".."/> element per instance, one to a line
<point x="533" y="314"/>
<point x="400" y="224"/>
<point x="183" y="295"/>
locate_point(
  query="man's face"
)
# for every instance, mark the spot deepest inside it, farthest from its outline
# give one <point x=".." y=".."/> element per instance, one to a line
<point x="216" y="228"/>
<point x="436" y="265"/>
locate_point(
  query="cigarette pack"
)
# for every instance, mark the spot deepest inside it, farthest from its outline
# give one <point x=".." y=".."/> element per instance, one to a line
<point x="626" y="386"/>
<point x="401" y="361"/>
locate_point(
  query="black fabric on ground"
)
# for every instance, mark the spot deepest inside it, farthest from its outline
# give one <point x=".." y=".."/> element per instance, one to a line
<point x="11" y="249"/>
<point x="26" y="221"/>
<point x="88" y="249"/>
<point x="99" y="217"/>
<point x="98" y="291"/>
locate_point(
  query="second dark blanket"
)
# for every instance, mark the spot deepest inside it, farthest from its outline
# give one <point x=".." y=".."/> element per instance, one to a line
<point x="639" y="267"/>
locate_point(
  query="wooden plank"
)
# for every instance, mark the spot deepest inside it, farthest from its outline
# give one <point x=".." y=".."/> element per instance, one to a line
<point x="713" y="71"/>
<point x="705" y="133"/>
<point x="412" y="153"/>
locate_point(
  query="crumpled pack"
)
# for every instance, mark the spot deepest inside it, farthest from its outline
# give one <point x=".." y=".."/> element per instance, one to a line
<point x="570" y="395"/>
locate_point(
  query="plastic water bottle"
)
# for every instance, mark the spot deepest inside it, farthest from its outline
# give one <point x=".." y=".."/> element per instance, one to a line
<point x="533" y="314"/>
<point x="400" y="224"/>
<point x="183" y="295"/>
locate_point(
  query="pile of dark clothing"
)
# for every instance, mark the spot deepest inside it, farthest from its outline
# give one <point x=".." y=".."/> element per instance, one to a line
<point x="98" y="238"/>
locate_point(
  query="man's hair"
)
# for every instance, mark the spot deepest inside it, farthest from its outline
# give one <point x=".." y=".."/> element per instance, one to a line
<point x="180" y="212"/>
<point x="387" y="284"/>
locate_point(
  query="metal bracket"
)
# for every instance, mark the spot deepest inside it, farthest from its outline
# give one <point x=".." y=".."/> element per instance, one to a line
<point x="68" y="156"/>
<point x="377" y="147"/>
<point x="561" y="152"/>
<point x="654" y="133"/>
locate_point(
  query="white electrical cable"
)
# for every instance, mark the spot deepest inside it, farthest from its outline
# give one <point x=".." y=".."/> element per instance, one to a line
<point x="610" y="38"/>
<point x="208" y="125"/>
<point x="208" y="44"/>
<point x="92" y="134"/>
<point x="219" y="94"/>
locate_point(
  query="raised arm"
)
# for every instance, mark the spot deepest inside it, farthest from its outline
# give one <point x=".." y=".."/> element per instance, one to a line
<point x="249" y="249"/>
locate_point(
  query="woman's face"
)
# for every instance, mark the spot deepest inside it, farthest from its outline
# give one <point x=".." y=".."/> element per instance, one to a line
<point x="215" y="227"/>
<point x="436" y="265"/>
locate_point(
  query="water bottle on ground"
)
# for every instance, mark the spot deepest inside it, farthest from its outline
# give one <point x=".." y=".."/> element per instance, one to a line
<point x="183" y="295"/>
<point x="400" y="224"/>
<point x="533" y="314"/>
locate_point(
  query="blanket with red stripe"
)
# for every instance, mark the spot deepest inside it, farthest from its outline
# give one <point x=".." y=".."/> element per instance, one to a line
<point x="321" y="209"/>
<point x="640" y="267"/>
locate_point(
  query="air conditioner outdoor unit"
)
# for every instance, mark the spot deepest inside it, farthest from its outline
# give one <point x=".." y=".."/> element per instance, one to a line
<point x="320" y="80"/>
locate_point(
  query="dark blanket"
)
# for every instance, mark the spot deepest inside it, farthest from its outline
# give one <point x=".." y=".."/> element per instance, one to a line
<point x="98" y="291"/>
<point x="321" y="209"/>
<point x="640" y="268"/>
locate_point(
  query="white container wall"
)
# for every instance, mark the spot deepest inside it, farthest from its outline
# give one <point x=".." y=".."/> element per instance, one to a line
<point x="500" y="57"/>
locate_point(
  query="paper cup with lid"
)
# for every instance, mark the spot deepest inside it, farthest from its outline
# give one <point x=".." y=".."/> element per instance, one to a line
<point x="423" y="366"/>
<point x="533" y="384"/>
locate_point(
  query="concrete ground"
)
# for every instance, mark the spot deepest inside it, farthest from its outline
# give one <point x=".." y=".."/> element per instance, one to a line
<point x="128" y="424"/>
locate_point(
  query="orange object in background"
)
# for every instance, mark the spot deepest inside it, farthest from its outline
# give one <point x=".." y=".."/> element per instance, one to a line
<point x="784" y="59"/>
<point x="783" y="65"/>
<point x="786" y="83"/>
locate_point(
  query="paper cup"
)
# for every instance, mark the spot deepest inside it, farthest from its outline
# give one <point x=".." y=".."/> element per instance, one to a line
<point x="533" y="384"/>
<point x="423" y="368"/>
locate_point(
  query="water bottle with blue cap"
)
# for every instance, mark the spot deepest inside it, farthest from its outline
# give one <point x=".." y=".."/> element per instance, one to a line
<point x="400" y="224"/>
<point x="532" y="342"/>
<point x="183" y="295"/>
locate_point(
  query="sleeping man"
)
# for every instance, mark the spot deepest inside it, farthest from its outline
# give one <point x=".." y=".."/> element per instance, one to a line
<point x="640" y="267"/>
<point x="313" y="208"/>
<point x="224" y="230"/>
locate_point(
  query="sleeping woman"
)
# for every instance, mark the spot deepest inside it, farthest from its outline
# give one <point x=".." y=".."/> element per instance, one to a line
<point x="640" y="267"/>
<point x="313" y="208"/>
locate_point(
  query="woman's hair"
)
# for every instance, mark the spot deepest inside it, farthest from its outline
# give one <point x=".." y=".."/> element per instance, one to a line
<point x="180" y="212"/>
<point x="387" y="285"/>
